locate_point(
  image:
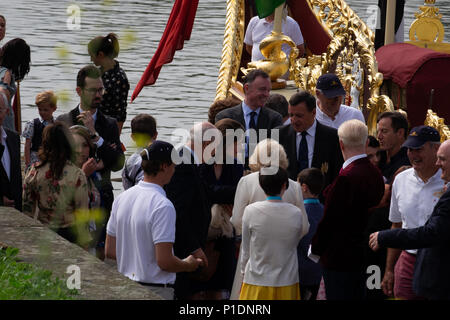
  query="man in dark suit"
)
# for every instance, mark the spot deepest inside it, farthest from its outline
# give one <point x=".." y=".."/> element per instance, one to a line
<point x="104" y="134"/>
<point x="431" y="277"/>
<point x="339" y="239"/>
<point x="251" y="113"/>
<point x="308" y="143"/>
<point x="10" y="170"/>
<point x="190" y="197"/>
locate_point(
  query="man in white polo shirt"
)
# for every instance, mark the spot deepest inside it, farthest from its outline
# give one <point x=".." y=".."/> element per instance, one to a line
<point x="330" y="110"/>
<point x="141" y="229"/>
<point x="415" y="192"/>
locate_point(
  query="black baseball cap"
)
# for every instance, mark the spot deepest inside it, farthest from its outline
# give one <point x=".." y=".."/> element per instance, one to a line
<point x="418" y="136"/>
<point x="330" y="85"/>
<point x="159" y="150"/>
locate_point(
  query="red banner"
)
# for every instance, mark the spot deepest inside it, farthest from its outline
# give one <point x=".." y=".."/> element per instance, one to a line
<point x="178" y="29"/>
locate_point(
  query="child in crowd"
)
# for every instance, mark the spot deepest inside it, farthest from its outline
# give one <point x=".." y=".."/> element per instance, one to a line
<point x="271" y="231"/>
<point x="143" y="133"/>
<point x="46" y="104"/>
<point x="311" y="182"/>
<point x="103" y="50"/>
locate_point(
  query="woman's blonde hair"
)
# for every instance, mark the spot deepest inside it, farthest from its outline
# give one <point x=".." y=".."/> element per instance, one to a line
<point x="268" y="152"/>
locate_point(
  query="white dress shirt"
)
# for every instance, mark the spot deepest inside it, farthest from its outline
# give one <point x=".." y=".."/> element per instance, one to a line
<point x="345" y="113"/>
<point x="310" y="139"/>
<point x="354" y="158"/>
<point x="413" y="200"/>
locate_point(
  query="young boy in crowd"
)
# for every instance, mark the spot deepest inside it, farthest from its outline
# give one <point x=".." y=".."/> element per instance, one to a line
<point x="143" y="133"/>
<point x="46" y="104"/>
<point x="311" y="182"/>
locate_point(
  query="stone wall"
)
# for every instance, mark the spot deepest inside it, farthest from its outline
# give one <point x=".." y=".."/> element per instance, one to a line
<point x="42" y="247"/>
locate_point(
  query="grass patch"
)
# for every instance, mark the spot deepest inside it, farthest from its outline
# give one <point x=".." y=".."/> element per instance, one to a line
<point x="23" y="281"/>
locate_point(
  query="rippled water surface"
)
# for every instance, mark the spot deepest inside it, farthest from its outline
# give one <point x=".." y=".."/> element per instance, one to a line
<point x="185" y="88"/>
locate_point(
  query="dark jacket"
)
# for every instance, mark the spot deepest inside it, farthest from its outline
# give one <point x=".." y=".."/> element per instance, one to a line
<point x="431" y="272"/>
<point x="113" y="157"/>
<point x="267" y="119"/>
<point x="11" y="188"/>
<point x="222" y="190"/>
<point x="189" y="195"/>
<point x="327" y="154"/>
<point x="339" y="240"/>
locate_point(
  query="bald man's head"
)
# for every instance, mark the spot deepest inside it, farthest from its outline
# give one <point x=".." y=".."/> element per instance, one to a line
<point x="443" y="160"/>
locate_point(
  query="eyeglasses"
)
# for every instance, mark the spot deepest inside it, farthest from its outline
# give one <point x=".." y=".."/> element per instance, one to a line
<point x="95" y="90"/>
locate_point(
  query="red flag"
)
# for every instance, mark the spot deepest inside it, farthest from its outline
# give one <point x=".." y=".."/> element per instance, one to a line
<point x="178" y="29"/>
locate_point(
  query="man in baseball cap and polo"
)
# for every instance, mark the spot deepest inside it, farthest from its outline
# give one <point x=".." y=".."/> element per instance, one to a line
<point x="141" y="229"/>
<point x="415" y="192"/>
<point x="330" y="110"/>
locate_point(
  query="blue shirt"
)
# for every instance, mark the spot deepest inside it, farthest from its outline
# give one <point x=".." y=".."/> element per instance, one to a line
<point x="247" y="110"/>
<point x="310" y="273"/>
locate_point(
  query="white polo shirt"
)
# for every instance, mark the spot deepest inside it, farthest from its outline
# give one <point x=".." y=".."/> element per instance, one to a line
<point x="258" y="29"/>
<point x="412" y="200"/>
<point x="345" y="113"/>
<point x="141" y="217"/>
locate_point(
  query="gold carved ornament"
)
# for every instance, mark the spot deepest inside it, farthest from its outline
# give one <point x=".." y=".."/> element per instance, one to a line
<point x="347" y="50"/>
<point x="434" y="121"/>
<point x="427" y="31"/>
<point x="351" y="56"/>
<point x="275" y="63"/>
<point x="427" y="26"/>
<point x="336" y="14"/>
<point x="233" y="43"/>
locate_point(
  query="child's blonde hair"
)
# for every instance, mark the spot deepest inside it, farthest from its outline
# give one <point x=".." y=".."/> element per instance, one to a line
<point x="47" y="96"/>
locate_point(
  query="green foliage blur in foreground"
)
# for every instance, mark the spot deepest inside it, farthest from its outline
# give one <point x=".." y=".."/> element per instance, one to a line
<point x="23" y="281"/>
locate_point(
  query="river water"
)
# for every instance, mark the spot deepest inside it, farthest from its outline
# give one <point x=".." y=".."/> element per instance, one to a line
<point x="185" y="88"/>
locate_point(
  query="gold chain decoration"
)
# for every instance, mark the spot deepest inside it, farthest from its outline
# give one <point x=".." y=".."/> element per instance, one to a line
<point x="233" y="43"/>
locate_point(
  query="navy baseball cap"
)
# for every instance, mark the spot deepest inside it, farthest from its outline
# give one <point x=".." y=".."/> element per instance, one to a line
<point x="159" y="150"/>
<point x="418" y="136"/>
<point x="330" y="85"/>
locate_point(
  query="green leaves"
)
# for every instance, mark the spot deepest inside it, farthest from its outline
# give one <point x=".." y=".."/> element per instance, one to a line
<point x="23" y="281"/>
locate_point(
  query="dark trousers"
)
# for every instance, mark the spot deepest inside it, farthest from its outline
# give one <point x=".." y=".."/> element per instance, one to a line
<point x="309" y="292"/>
<point x="344" y="285"/>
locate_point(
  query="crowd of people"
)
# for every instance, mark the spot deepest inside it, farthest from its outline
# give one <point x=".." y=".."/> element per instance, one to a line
<point x="295" y="211"/>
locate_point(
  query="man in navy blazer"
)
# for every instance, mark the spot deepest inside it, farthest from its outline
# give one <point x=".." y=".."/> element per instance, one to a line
<point x="339" y="239"/>
<point x="251" y="113"/>
<point x="431" y="277"/>
<point x="323" y="151"/>
<point x="257" y="90"/>
<point x="10" y="170"/>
